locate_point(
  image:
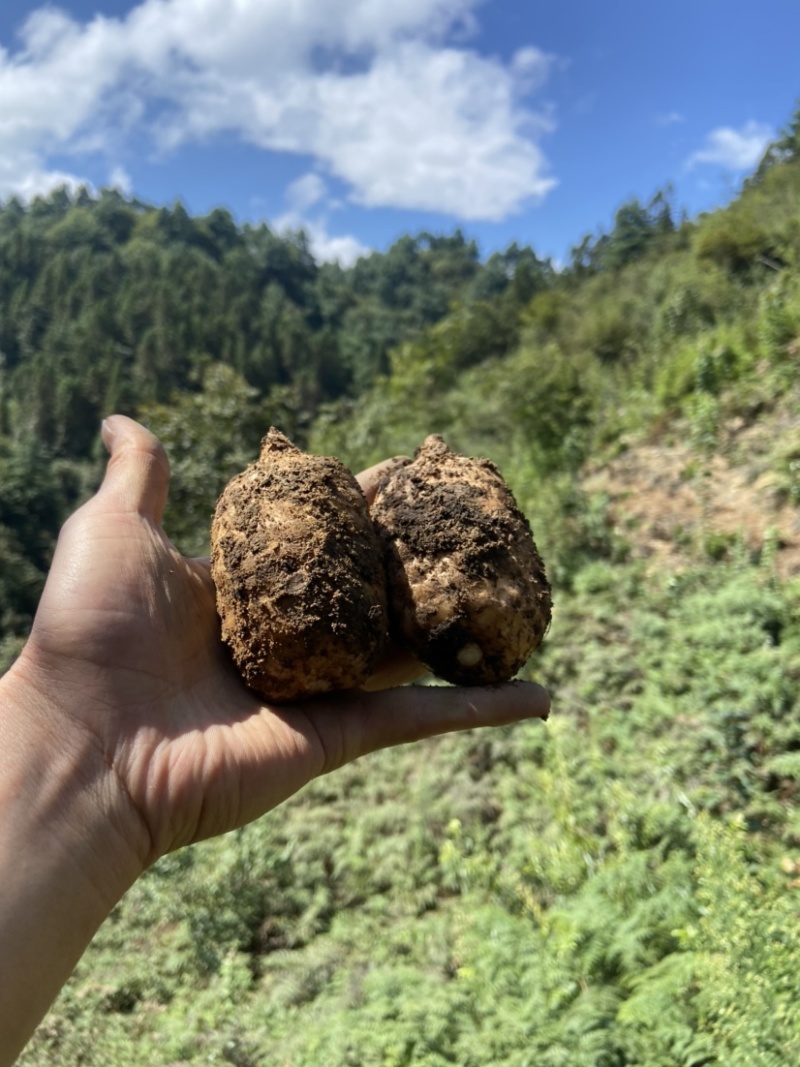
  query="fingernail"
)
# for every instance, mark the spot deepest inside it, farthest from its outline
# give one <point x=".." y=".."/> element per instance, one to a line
<point x="108" y="434"/>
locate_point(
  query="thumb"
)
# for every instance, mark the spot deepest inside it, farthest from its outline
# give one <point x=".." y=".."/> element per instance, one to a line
<point x="137" y="475"/>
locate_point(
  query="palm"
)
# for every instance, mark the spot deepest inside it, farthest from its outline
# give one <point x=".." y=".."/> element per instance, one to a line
<point x="197" y="751"/>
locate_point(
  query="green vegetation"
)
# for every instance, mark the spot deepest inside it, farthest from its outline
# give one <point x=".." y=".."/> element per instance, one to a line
<point x="616" y="888"/>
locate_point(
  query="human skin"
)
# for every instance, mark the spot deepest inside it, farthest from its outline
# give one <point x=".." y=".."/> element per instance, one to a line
<point x="125" y="731"/>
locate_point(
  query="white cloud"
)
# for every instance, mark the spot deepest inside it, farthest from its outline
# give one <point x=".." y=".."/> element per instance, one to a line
<point x="374" y="92"/>
<point x="24" y="177"/>
<point x="121" y="180"/>
<point x="436" y="130"/>
<point x="310" y="191"/>
<point x="344" y="250"/>
<point x="306" y="191"/>
<point x="734" y="149"/>
<point x="531" y="66"/>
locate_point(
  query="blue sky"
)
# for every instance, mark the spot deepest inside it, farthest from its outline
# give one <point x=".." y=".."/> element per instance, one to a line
<point x="361" y="120"/>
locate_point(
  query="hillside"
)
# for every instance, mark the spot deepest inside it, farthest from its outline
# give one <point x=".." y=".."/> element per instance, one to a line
<point x="665" y="500"/>
<point x="616" y="887"/>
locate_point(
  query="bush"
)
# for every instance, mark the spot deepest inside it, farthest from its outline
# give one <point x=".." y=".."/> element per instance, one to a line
<point x="734" y="239"/>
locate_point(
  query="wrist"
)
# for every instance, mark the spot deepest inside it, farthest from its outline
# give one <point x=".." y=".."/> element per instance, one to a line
<point x="66" y="857"/>
<point x="59" y="790"/>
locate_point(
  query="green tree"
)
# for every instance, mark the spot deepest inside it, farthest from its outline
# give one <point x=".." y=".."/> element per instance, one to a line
<point x="785" y="149"/>
<point x="209" y="436"/>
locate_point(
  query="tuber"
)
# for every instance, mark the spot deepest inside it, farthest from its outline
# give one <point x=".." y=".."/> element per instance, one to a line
<point x="298" y="572"/>
<point x="467" y="590"/>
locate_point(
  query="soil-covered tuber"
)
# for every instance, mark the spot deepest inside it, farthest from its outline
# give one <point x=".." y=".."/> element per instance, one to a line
<point x="298" y="573"/>
<point x="467" y="589"/>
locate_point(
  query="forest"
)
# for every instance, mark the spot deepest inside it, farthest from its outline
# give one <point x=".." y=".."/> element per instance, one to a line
<point x="618" y="887"/>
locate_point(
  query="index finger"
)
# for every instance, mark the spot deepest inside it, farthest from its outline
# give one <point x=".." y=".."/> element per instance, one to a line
<point x="370" y="479"/>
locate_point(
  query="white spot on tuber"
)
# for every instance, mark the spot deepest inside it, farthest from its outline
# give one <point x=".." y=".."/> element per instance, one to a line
<point x="470" y="655"/>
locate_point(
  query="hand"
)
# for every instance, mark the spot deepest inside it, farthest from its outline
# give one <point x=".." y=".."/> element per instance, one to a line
<point x="126" y="650"/>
